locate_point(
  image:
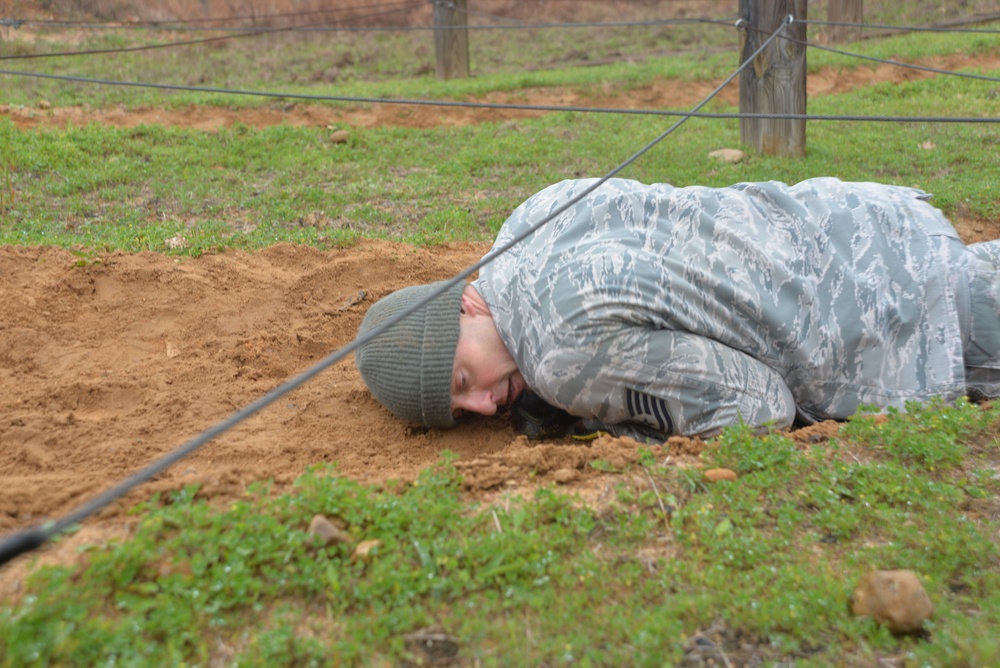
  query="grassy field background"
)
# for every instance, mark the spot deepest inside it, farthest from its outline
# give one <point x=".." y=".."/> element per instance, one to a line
<point x="666" y="569"/>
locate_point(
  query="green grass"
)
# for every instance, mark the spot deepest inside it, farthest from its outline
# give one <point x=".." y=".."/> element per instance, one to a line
<point x="768" y="561"/>
<point x="105" y="188"/>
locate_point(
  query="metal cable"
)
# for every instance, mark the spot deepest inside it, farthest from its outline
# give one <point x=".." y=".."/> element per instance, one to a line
<point x="401" y="28"/>
<point x="497" y="105"/>
<point x="515" y="23"/>
<point x="180" y="25"/>
<point x="519" y="24"/>
<point x="885" y="61"/>
<point x="166" y="45"/>
<point x="23" y="541"/>
<point x="880" y="26"/>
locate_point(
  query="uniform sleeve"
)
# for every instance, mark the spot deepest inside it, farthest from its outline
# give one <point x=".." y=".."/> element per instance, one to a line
<point x="672" y="382"/>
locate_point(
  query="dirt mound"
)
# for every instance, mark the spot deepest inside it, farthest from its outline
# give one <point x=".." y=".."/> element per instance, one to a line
<point x="111" y="364"/>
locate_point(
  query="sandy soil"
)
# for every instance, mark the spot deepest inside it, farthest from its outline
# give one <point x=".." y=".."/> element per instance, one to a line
<point x="106" y="367"/>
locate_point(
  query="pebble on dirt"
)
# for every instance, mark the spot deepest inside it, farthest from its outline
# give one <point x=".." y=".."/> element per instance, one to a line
<point x="364" y="548"/>
<point x="175" y="242"/>
<point x="894" y="599"/>
<point x="729" y="155"/>
<point x="432" y="647"/>
<point x="564" y="476"/>
<point x="715" y="475"/>
<point x="328" y="532"/>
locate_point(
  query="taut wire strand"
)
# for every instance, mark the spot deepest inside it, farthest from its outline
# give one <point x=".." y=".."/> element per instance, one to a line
<point x="503" y="106"/>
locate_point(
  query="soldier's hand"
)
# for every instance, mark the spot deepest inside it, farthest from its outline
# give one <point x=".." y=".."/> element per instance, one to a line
<point x="537" y="420"/>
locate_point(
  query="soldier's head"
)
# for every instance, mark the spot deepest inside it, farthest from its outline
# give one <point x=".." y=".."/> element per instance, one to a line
<point x="443" y="360"/>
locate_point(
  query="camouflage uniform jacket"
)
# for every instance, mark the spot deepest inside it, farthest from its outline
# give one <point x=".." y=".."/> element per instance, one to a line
<point x="690" y="309"/>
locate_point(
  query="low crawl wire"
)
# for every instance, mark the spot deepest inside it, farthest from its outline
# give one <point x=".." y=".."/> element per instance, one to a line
<point x="166" y="45"/>
<point x="885" y="61"/>
<point x="881" y="26"/>
<point x="29" y="539"/>
<point x="180" y="25"/>
<point x="400" y="28"/>
<point x="503" y="106"/>
<point x="515" y="24"/>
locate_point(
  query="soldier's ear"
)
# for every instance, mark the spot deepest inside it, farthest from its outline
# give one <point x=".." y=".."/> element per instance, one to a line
<point x="467" y="307"/>
<point x="472" y="306"/>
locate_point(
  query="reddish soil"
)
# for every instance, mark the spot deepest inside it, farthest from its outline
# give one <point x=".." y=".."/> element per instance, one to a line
<point x="108" y="366"/>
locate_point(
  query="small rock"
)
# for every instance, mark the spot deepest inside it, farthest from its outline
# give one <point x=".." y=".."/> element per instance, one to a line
<point x="730" y="155"/>
<point x="176" y="242"/>
<point x="432" y="646"/>
<point x="715" y="475"/>
<point x="364" y="548"/>
<point x="564" y="476"/>
<point x="339" y="137"/>
<point x="168" y="567"/>
<point x="895" y="599"/>
<point x="328" y="532"/>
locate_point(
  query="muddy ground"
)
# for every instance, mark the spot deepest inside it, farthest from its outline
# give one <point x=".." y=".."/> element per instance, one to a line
<point x="108" y="366"/>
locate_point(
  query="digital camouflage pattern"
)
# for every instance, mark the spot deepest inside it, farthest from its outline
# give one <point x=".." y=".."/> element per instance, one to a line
<point x="684" y="310"/>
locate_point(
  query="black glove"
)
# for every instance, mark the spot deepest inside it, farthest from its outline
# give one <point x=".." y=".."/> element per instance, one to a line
<point x="537" y="420"/>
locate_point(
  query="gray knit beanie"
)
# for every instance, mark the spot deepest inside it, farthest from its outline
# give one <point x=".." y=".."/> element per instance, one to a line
<point x="408" y="367"/>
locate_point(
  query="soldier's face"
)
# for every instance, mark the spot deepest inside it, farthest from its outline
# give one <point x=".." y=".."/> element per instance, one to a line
<point x="484" y="375"/>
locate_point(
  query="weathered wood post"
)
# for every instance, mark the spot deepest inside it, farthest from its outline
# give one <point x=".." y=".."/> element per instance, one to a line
<point x="776" y="82"/>
<point x="844" y="11"/>
<point x="451" y="38"/>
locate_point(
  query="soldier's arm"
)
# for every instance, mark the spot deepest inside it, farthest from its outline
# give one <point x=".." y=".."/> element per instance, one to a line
<point x="671" y="382"/>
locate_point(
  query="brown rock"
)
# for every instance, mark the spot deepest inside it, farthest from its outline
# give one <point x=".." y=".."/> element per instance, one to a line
<point x="563" y="476"/>
<point x="432" y="646"/>
<point x="730" y="155"/>
<point x="175" y="242"/>
<point x="895" y="599"/>
<point x="364" y="548"/>
<point x="168" y="567"/>
<point x="328" y="532"/>
<point x="715" y="475"/>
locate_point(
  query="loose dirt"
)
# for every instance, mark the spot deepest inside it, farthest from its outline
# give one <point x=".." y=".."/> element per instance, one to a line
<point x="109" y="365"/>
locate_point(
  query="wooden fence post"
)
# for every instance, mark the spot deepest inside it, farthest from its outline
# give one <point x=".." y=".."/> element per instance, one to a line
<point x="776" y="82"/>
<point x="844" y="11"/>
<point x="451" y="39"/>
